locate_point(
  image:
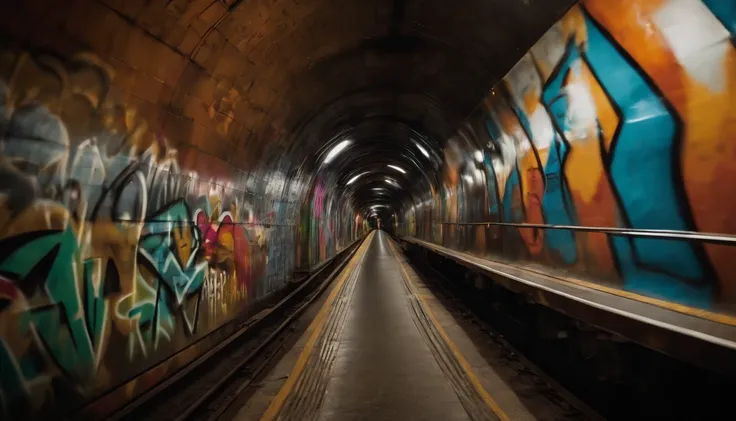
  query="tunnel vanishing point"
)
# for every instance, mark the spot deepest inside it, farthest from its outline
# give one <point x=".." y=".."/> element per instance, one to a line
<point x="167" y="165"/>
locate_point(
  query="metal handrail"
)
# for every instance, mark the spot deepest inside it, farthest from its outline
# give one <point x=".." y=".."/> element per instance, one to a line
<point x="726" y="239"/>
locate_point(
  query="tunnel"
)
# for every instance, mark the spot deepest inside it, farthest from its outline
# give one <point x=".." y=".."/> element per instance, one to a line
<point x="168" y="167"/>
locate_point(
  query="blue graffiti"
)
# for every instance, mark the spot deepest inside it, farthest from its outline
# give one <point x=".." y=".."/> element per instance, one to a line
<point x="557" y="202"/>
<point x="725" y="11"/>
<point x="494" y="208"/>
<point x="171" y="249"/>
<point x="642" y="175"/>
<point x="48" y="256"/>
<point x="510" y="211"/>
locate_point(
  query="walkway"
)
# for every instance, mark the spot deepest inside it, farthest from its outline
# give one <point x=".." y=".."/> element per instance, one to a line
<point x="382" y="348"/>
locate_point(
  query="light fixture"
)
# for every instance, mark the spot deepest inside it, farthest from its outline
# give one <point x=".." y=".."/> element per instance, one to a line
<point x="352" y="180"/>
<point x="479" y="156"/>
<point x="421" y="149"/>
<point x="397" y="168"/>
<point x="336" y="151"/>
<point x="392" y="182"/>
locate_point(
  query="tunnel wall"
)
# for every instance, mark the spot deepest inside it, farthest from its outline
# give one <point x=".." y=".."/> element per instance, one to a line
<point x="125" y="248"/>
<point x="622" y="115"/>
<point x="329" y="223"/>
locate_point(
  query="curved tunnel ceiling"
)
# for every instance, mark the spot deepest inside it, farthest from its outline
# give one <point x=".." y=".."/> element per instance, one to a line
<point x="298" y="77"/>
<point x="390" y="74"/>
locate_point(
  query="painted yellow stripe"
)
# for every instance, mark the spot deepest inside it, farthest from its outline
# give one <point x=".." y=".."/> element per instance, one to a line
<point x="679" y="308"/>
<point x="487" y="398"/>
<point x="315" y="328"/>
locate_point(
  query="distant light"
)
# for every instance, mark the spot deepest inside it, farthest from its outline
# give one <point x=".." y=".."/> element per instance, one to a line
<point x="392" y="182"/>
<point x="421" y="149"/>
<point x="397" y="168"/>
<point x="468" y="178"/>
<point x="479" y="156"/>
<point x="378" y="189"/>
<point x="352" y="180"/>
<point x="336" y="151"/>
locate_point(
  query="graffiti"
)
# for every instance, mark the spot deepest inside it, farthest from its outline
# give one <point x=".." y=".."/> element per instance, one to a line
<point x="170" y="279"/>
<point x="329" y="223"/>
<point x="321" y="235"/>
<point x="608" y="124"/>
<point x="225" y="244"/>
<point x="117" y="249"/>
<point x="214" y="293"/>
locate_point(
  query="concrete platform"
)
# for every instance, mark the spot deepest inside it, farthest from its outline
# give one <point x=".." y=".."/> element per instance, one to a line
<point x="382" y="348"/>
<point x="703" y="338"/>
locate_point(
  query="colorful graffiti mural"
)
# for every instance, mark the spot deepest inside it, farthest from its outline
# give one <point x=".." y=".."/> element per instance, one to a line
<point x="620" y="116"/>
<point x="113" y="257"/>
<point x="329" y="223"/>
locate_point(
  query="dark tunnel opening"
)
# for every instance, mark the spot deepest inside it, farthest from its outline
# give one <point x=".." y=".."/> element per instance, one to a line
<point x="169" y="166"/>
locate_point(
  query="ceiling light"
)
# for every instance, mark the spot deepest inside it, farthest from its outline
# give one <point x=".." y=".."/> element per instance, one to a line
<point x="336" y="150"/>
<point x="479" y="156"/>
<point x="397" y="168"/>
<point x="352" y="180"/>
<point x="421" y="149"/>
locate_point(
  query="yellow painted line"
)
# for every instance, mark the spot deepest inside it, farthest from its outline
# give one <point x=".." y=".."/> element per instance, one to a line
<point x="315" y="328"/>
<point x="487" y="398"/>
<point x="679" y="308"/>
